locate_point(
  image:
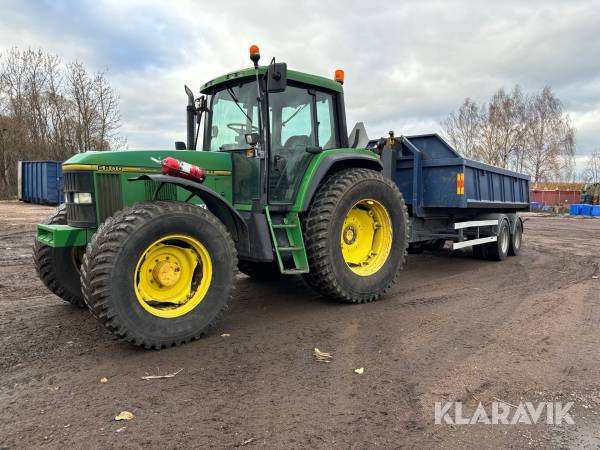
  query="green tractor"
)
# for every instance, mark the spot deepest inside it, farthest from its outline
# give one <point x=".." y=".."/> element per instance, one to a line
<point x="283" y="192"/>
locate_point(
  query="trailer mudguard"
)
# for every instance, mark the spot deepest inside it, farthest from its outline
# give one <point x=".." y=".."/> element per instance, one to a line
<point x="214" y="202"/>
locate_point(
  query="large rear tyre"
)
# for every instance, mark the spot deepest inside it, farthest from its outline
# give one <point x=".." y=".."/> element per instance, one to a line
<point x="160" y="273"/>
<point x="58" y="268"/>
<point x="356" y="235"/>
<point x="261" y="271"/>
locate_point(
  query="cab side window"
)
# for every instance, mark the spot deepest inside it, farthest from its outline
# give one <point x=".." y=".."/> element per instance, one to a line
<point x="328" y="137"/>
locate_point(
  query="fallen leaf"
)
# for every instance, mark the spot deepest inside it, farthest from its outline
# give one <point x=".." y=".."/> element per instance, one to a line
<point x="125" y="415"/>
<point x="360" y="370"/>
<point x="322" y="356"/>
<point x="103" y="380"/>
<point x="225" y="335"/>
<point x="156" y="377"/>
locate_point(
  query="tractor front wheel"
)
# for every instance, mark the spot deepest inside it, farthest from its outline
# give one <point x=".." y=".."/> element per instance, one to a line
<point x="58" y="268"/>
<point x="160" y="273"/>
<point x="356" y="234"/>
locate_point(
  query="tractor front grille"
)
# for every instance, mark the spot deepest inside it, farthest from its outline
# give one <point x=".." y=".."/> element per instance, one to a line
<point x="109" y="197"/>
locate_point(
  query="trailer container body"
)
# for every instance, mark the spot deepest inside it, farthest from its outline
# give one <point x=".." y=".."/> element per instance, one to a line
<point x="41" y="182"/>
<point x="444" y="191"/>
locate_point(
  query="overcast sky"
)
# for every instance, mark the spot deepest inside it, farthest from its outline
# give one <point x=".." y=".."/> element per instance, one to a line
<point x="407" y="63"/>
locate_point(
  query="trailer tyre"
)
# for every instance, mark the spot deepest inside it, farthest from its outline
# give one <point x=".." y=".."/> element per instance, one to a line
<point x="160" y="273"/>
<point x="356" y="235"/>
<point x="58" y="268"/>
<point x="497" y="251"/>
<point x="516" y="239"/>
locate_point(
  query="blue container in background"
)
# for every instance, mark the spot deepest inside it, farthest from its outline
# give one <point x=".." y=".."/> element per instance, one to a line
<point x="575" y="210"/>
<point x="534" y="206"/>
<point x="41" y="182"/>
<point x="586" y="210"/>
<point x="596" y="210"/>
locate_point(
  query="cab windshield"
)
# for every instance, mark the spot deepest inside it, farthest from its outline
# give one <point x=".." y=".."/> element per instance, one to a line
<point x="234" y="113"/>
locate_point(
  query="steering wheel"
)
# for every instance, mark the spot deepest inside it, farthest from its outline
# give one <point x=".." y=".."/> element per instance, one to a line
<point x="241" y="128"/>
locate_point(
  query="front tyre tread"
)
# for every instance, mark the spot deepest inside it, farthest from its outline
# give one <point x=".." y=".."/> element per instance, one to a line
<point x="103" y="249"/>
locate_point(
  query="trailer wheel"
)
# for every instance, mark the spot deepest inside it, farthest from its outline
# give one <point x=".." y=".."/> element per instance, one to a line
<point x="262" y="271"/>
<point x="58" y="268"/>
<point x="160" y="273"/>
<point x="516" y="239"/>
<point x="497" y="251"/>
<point x="356" y="235"/>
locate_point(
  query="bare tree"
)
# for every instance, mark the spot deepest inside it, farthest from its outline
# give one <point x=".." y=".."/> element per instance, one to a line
<point x="551" y="139"/>
<point x="49" y="110"/>
<point x="503" y="127"/>
<point x="462" y="128"/>
<point x="591" y="172"/>
<point x="522" y="132"/>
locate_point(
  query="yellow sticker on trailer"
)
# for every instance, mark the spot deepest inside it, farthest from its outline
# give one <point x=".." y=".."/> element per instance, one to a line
<point x="460" y="183"/>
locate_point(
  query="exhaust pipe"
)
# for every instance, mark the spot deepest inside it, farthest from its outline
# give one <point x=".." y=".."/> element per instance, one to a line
<point x="191" y="114"/>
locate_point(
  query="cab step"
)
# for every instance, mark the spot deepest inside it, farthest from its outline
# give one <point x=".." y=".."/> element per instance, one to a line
<point x="286" y="234"/>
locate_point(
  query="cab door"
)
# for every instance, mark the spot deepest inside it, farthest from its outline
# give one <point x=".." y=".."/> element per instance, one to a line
<point x="302" y="123"/>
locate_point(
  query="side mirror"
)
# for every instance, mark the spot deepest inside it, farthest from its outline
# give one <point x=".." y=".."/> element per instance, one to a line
<point x="277" y="77"/>
<point x="252" y="139"/>
<point x="179" y="145"/>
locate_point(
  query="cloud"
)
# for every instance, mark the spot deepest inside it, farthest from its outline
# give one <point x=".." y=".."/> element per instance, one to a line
<point x="408" y="64"/>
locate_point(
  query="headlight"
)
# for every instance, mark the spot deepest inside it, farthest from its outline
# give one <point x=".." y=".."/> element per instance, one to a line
<point x="84" y="198"/>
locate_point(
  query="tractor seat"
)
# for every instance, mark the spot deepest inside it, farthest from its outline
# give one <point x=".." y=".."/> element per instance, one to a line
<point x="297" y="142"/>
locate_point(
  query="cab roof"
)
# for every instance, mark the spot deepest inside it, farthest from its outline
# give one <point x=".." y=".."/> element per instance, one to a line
<point x="314" y="80"/>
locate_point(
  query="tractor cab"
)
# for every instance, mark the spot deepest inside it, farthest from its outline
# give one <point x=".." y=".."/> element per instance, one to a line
<point x="273" y="122"/>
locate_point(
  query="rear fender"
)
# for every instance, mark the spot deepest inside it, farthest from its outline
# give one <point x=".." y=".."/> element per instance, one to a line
<point x="334" y="163"/>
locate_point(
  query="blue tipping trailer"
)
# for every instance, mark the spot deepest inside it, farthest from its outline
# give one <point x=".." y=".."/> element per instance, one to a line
<point x="453" y="198"/>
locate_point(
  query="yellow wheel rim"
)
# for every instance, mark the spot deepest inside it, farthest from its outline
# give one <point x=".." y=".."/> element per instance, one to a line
<point x="172" y="276"/>
<point x="366" y="237"/>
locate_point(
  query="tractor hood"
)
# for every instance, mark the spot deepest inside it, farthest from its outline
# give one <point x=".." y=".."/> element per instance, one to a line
<point x="142" y="159"/>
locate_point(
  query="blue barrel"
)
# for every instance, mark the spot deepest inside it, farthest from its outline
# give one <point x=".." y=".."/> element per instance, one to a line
<point x="596" y="210"/>
<point x="586" y="210"/>
<point x="41" y="182"/>
<point x="575" y="209"/>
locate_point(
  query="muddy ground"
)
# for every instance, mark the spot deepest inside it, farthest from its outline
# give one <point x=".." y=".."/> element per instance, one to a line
<point x="455" y="328"/>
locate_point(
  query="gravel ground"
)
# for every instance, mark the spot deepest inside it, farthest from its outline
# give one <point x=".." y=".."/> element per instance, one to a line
<point x="454" y="329"/>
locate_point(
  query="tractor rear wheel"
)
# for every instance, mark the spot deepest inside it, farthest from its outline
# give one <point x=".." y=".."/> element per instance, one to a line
<point x="160" y="273"/>
<point x="58" y="268"/>
<point x="261" y="271"/>
<point x="356" y="234"/>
